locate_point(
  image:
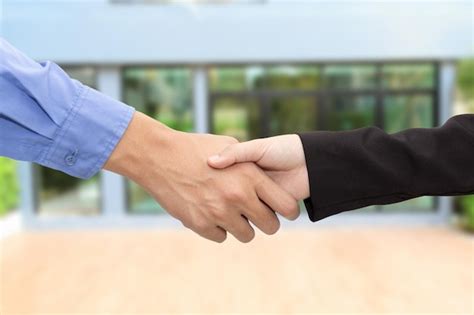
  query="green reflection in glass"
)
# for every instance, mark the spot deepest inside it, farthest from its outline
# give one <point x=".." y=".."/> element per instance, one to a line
<point x="292" y="114"/>
<point x="86" y="75"/>
<point x="140" y="202"/>
<point x="350" y="112"/>
<point x="403" y="112"/>
<point x="164" y="94"/>
<point x="398" y="76"/>
<point x="227" y="79"/>
<point x="292" y="78"/>
<point x="350" y="76"/>
<point x="63" y="195"/>
<point x="236" y="117"/>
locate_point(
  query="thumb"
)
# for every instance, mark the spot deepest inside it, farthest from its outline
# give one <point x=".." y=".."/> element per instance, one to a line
<point x="250" y="151"/>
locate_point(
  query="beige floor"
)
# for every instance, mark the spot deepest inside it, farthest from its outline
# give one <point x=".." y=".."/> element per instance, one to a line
<point x="358" y="270"/>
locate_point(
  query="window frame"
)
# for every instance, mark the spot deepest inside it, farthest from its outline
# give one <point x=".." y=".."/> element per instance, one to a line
<point x="322" y="93"/>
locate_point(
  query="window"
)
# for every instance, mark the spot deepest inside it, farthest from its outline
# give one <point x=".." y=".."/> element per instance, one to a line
<point x="258" y="101"/>
<point x="408" y="111"/>
<point x="60" y="194"/>
<point x="164" y="94"/>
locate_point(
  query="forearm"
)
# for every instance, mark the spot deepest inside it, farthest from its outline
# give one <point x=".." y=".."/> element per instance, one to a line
<point x="50" y="119"/>
<point x="350" y="170"/>
<point x="136" y="155"/>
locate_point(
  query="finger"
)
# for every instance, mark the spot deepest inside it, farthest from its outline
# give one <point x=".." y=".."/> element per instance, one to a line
<point x="216" y="234"/>
<point x="240" y="228"/>
<point x="250" y="151"/>
<point x="262" y="217"/>
<point x="277" y="199"/>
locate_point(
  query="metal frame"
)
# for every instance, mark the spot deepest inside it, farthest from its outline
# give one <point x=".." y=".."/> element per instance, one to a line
<point x="114" y="214"/>
<point x="321" y="94"/>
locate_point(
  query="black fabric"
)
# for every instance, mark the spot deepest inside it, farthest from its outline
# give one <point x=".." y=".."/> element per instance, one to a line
<point x="353" y="169"/>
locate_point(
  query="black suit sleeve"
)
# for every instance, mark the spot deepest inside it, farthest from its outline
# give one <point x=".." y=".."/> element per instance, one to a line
<point x="353" y="169"/>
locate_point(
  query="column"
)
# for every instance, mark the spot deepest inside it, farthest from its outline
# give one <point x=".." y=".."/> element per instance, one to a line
<point x="446" y="86"/>
<point x="201" y="100"/>
<point x="113" y="186"/>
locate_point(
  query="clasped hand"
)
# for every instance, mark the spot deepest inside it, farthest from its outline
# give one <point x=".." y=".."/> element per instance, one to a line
<point x="213" y="184"/>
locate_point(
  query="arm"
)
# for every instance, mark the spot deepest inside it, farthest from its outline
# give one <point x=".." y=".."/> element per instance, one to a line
<point x="49" y="119"/>
<point x="352" y="169"/>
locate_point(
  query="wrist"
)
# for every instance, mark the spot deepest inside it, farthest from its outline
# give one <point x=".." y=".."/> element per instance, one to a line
<point x="131" y="157"/>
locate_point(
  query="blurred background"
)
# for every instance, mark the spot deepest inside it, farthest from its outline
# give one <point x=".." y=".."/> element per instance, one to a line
<point x="247" y="69"/>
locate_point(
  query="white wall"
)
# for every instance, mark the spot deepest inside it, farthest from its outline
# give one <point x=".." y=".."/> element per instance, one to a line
<point x="101" y="32"/>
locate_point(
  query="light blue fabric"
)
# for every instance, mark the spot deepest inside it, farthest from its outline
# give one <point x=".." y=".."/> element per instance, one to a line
<point x="50" y="119"/>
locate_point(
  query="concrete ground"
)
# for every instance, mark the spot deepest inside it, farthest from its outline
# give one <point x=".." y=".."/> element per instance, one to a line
<point x="326" y="270"/>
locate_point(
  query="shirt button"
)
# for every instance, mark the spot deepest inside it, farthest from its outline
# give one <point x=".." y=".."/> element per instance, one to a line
<point x="70" y="159"/>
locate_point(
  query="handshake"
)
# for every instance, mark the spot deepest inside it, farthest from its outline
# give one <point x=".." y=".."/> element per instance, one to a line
<point x="213" y="184"/>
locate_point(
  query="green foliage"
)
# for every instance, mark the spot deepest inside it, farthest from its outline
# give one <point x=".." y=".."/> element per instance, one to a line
<point x="466" y="78"/>
<point x="55" y="182"/>
<point x="466" y="204"/>
<point x="8" y="185"/>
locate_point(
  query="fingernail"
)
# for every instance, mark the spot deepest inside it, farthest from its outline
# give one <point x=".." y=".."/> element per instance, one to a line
<point x="214" y="158"/>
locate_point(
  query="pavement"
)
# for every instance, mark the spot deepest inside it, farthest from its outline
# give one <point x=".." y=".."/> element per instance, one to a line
<point x="355" y="270"/>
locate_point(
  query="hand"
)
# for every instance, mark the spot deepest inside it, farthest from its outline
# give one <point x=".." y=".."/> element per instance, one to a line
<point x="171" y="166"/>
<point x="282" y="158"/>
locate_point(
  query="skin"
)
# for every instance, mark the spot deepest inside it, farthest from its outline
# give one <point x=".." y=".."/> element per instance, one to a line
<point x="171" y="166"/>
<point x="282" y="158"/>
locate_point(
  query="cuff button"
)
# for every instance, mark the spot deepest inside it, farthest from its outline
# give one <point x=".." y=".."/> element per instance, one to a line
<point x="70" y="159"/>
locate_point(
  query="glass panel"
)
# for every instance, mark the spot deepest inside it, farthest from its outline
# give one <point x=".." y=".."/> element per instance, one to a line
<point x="140" y="202"/>
<point x="227" y="79"/>
<point x="292" y="114"/>
<point x="63" y="195"/>
<point x="408" y="76"/>
<point x="408" y="111"/>
<point x="350" y="112"/>
<point x="236" y="117"/>
<point x="165" y="94"/>
<point x="60" y="194"/>
<point x="350" y="76"/>
<point x="86" y="75"/>
<point x="292" y="78"/>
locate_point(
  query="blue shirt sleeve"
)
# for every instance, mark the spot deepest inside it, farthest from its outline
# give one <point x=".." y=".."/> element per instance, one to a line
<point x="50" y="119"/>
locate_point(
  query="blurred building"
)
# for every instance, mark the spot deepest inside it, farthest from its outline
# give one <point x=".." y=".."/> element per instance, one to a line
<point x="242" y="68"/>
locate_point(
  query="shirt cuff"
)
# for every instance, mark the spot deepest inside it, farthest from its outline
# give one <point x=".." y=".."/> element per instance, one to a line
<point x="93" y="127"/>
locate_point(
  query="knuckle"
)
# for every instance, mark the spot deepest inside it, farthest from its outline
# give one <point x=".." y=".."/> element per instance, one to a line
<point x="218" y="214"/>
<point x="233" y="195"/>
